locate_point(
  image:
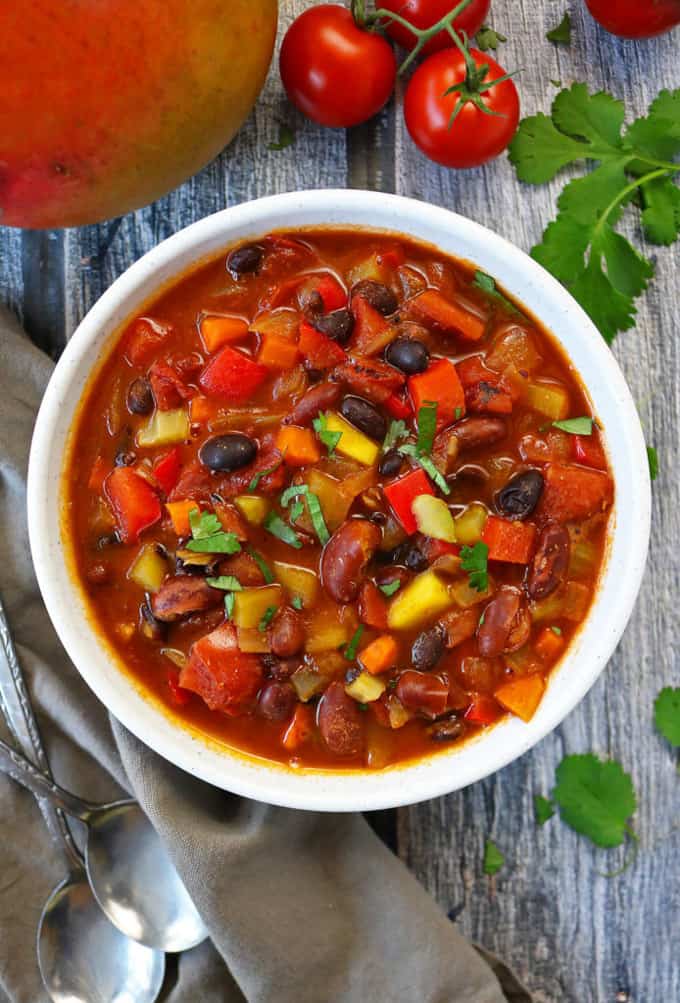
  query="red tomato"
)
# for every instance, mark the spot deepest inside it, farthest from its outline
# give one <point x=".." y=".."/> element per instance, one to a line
<point x="474" y="137"/>
<point x="636" y="18"/>
<point x="335" y="72"/>
<point x="425" y="13"/>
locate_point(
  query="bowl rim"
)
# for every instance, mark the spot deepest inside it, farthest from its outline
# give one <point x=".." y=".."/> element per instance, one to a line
<point x="414" y="781"/>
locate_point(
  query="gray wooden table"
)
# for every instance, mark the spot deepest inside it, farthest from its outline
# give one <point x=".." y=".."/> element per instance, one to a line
<point x="573" y="935"/>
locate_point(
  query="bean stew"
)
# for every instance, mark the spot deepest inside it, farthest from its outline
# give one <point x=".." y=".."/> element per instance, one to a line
<point x="337" y="501"/>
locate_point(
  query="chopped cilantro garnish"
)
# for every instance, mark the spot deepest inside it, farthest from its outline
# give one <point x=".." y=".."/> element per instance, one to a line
<point x="329" y="439"/>
<point x="488" y="286"/>
<point x="229" y="604"/>
<point x="493" y="858"/>
<point x="208" y="535"/>
<point x="458" y="413"/>
<point x="296" y="510"/>
<point x="294" y="491"/>
<point x="389" y="588"/>
<point x="474" y="560"/>
<point x="543" y="809"/>
<point x="203" y="524"/>
<point x="595" y="798"/>
<point x="575" y="426"/>
<point x="427" y="426"/>
<point x="353" y="646"/>
<point x="396" y="431"/>
<point x="286" y="138"/>
<point x="562" y="33"/>
<point x="486" y="38"/>
<point x="275" y="525"/>
<point x="227" y="582"/>
<point x="254" y="483"/>
<point x="296" y="602"/>
<point x="409" y="449"/>
<point x="653" y="460"/>
<point x="267" y="572"/>
<point x="557" y="630"/>
<point x="313" y="506"/>
<point x="667" y="714"/>
<point x="269" y="615"/>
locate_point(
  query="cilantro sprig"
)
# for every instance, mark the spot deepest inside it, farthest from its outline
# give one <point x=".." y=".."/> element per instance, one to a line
<point x="667" y="714"/>
<point x="488" y="285"/>
<point x="581" y="247"/>
<point x="561" y="34"/>
<point x="493" y="858"/>
<point x="208" y="536"/>
<point x="474" y="560"/>
<point x="596" y="798"/>
<point x="329" y="439"/>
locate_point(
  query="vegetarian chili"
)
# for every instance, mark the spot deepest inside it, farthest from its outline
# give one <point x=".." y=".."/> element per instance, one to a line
<point x="337" y="501"/>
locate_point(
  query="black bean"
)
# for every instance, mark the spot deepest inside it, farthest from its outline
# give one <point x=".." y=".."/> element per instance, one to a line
<point x="379" y="296"/>
<point x="427" y="649"/>
<point x="364" y="416"/>
<point x="124" y="458"/>
<point x="336" y="325"/>
<point x="140" y="397"/>
<point x="108" y="540"/>
<point x="390" y="464"/>
<point x="446" y="731"/>
<point x="519" y="497"/>
<point x="409" y="555"/>
<point x="311" y="302"/>
<point x="228" y="452"/>
<point x="245" y="260"/>
<point x="149" y="626"/>
<point x="407" y="354"/>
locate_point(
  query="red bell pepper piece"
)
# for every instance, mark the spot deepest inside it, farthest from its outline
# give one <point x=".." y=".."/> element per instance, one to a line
<point x="402" y="493"/>
<point x="485" y="390"/>
<point x="439" y="383"/>
<point x="571" y="493"/>
<point x="483" y="710"/>
<point x="588" y="451"/>
<point x="167" y="469"/>
<point x="331" y="292"/>
<point x="232" y="375"/>
<point x="169" y="390"/>
<point x="319" y="351"/>
<point x="144" y="338"/>
<point x="227" y="679"/>
<point x="398" y="407"/>
<point x="512" y="542"/>
<point x="134" y="503"/>
<point x="371" y="331"/>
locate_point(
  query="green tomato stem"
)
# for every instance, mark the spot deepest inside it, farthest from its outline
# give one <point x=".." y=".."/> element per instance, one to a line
<point x="423" y="35"/>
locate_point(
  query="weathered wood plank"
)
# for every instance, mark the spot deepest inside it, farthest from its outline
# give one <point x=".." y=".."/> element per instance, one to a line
<point x="574" y="935"/>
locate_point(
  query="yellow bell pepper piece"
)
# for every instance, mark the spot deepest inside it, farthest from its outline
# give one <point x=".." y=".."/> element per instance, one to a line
<point x="164" y="428"/>
<point x="469" y="525"/>
<point x="253" y="508"/>
<point x="421" y="601"/>
<point x="352" y="443"/>
<point x="365" y="688"/>
<point x="434" y="518"/>
<point x="550" y="399"/>
<point x="297" y="581"/>
<point x="148" y="569"/>
<point x="250" y="605"/>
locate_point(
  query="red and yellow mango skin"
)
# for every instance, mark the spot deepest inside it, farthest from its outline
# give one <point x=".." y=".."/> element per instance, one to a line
<point x="108" y="104"/>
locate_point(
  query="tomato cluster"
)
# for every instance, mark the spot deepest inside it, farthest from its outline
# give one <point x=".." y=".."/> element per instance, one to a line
<point x="460" y="107"/>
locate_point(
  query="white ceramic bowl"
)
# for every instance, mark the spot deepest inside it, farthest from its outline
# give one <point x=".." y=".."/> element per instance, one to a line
<point x="446" y="771"/>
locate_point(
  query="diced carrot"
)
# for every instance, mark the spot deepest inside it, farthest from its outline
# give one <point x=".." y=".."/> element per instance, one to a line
<point x="439" y="383"/>
<point x="299" y="445"/>
<point x="203" y="409"/>
<point x="179" y="516"/>
<point x="371" y="331"/>
<point x="572" y="492"/>
<point x="512" y="542"/>
<point x="372" y="606"/>
<point x="522" y="696"/>
<point x="319" y="351"/>
<point x="300" y="728"/>
<point x="483" y="710"/>
<point x="588" y="450"/>
<point x="221" y="329"/>
<point x="277" y="352"/>
<point x="100" y="469"/>
<point x="380" y="655"/>
<point x="433" y="310"/>
<point x="549" y="645"/>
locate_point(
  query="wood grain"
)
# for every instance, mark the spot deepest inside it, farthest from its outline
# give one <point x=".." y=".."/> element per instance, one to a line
<point x="574" y="935"/>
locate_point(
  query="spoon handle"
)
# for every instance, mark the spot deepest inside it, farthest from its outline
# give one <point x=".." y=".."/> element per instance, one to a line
<point x="25" y="773"/>
<point x="16" y="707"/>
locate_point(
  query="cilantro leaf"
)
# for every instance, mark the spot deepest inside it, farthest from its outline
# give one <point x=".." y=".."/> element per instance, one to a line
<point x="493" y="858"/>
<point x="487" y="38"/>
<point x="667" y="714"/>
<point x="275" y="525"/>
<point x="575" y="426"/>
<point x="557" y="631"/>
<point x="389" y="588"/>
<point x="296" y="602"/>
<point x="543" y="809"/>
<point x="595" y="798"/>
<point x="350" y="651"/>
<point x="409" y="449"/>
<point x="203" y="524"/>
<point x="474" y="560"/>
<point x="255" y="481"/>
<point x="397" y="430"/>
<point x="313" y="506"/>
<point x="229" y="604"/>
<point x="653" y="460"/>
<point x="208" y="535"/>
<point x="286" y="138"/>
<point x="329" y="439"/>
<point x="581" y="247"/>
<point x="227" y="582"/>
<point x="267" y="572"/>
<point x="427" y="426"/>
<point x="267" y="618"/>
<point x="562" y="33"/>
<point x="488" y="285"/>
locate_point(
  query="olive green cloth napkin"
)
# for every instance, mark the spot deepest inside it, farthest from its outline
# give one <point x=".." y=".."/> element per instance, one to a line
<point x="301" y="907"/>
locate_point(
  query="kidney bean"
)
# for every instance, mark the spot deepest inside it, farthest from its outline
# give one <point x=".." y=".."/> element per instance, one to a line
<point x="446" y="731"/>
<point x="458" y="626"/>
<point x="520" y="496"/>
<point x="423" y="692"/>
<point x="364" y="416"/>
<point x="245" y="260"/>
<point x="520" y="630"/>
<point x="287" y="633"/>
<point x="276" y="701"/>
<point x="445" y="451"/>
<point x="345" y="557"/>
<point x="390" y="463"/>
<point x="340" y="723"/>
<point x="337" y="325"/>
<point x="377" y="295"/>
<point x="182" y="595"/>
<point x="551" y="560"/>
<point x="317" y="398"/>
<point x="140" y="397"/>
<point x="427" y="649"/>
<point x="408" y="354"/>
<point x="498" y="620"/>
<point x="473" y="432"/>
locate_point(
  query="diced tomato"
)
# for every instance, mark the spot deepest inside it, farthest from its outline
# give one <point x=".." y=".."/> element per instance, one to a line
<point x="571" y="493"/>
<point x="372" y="606"/>
<point x="484" y="390"/>
<point x="370" y="378"/>
<point x="483" y="710"/>
<point x="100" y="469"/>
<point x="134" y="503"/>
<point x="232" y="375"/>
<point x="588" y="450"/>
<point x="398" y="407"/>
<point x="227" y="679"/>
<point x="371" y="332"/>
<point x="167" y="468"/>
<point x="179" y="696"/>
<point x="440" y="383"/>
<point x="331" y="292"/>
<point x="433" y="310"/>
<point x="402" y="493"/>
<point x="168" y="389"/>
<point x="279" y="294"/>
<point x="319" y="351"/>
<point x="144" y="338"/>
<point x="301" y="728"/>
<point x="512" y="542"/>
<point x="423" y="692"/>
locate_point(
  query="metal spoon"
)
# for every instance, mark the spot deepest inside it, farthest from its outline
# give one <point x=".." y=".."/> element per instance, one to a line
<point x="83" y="958"/>
<point x="131" y="875"/>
